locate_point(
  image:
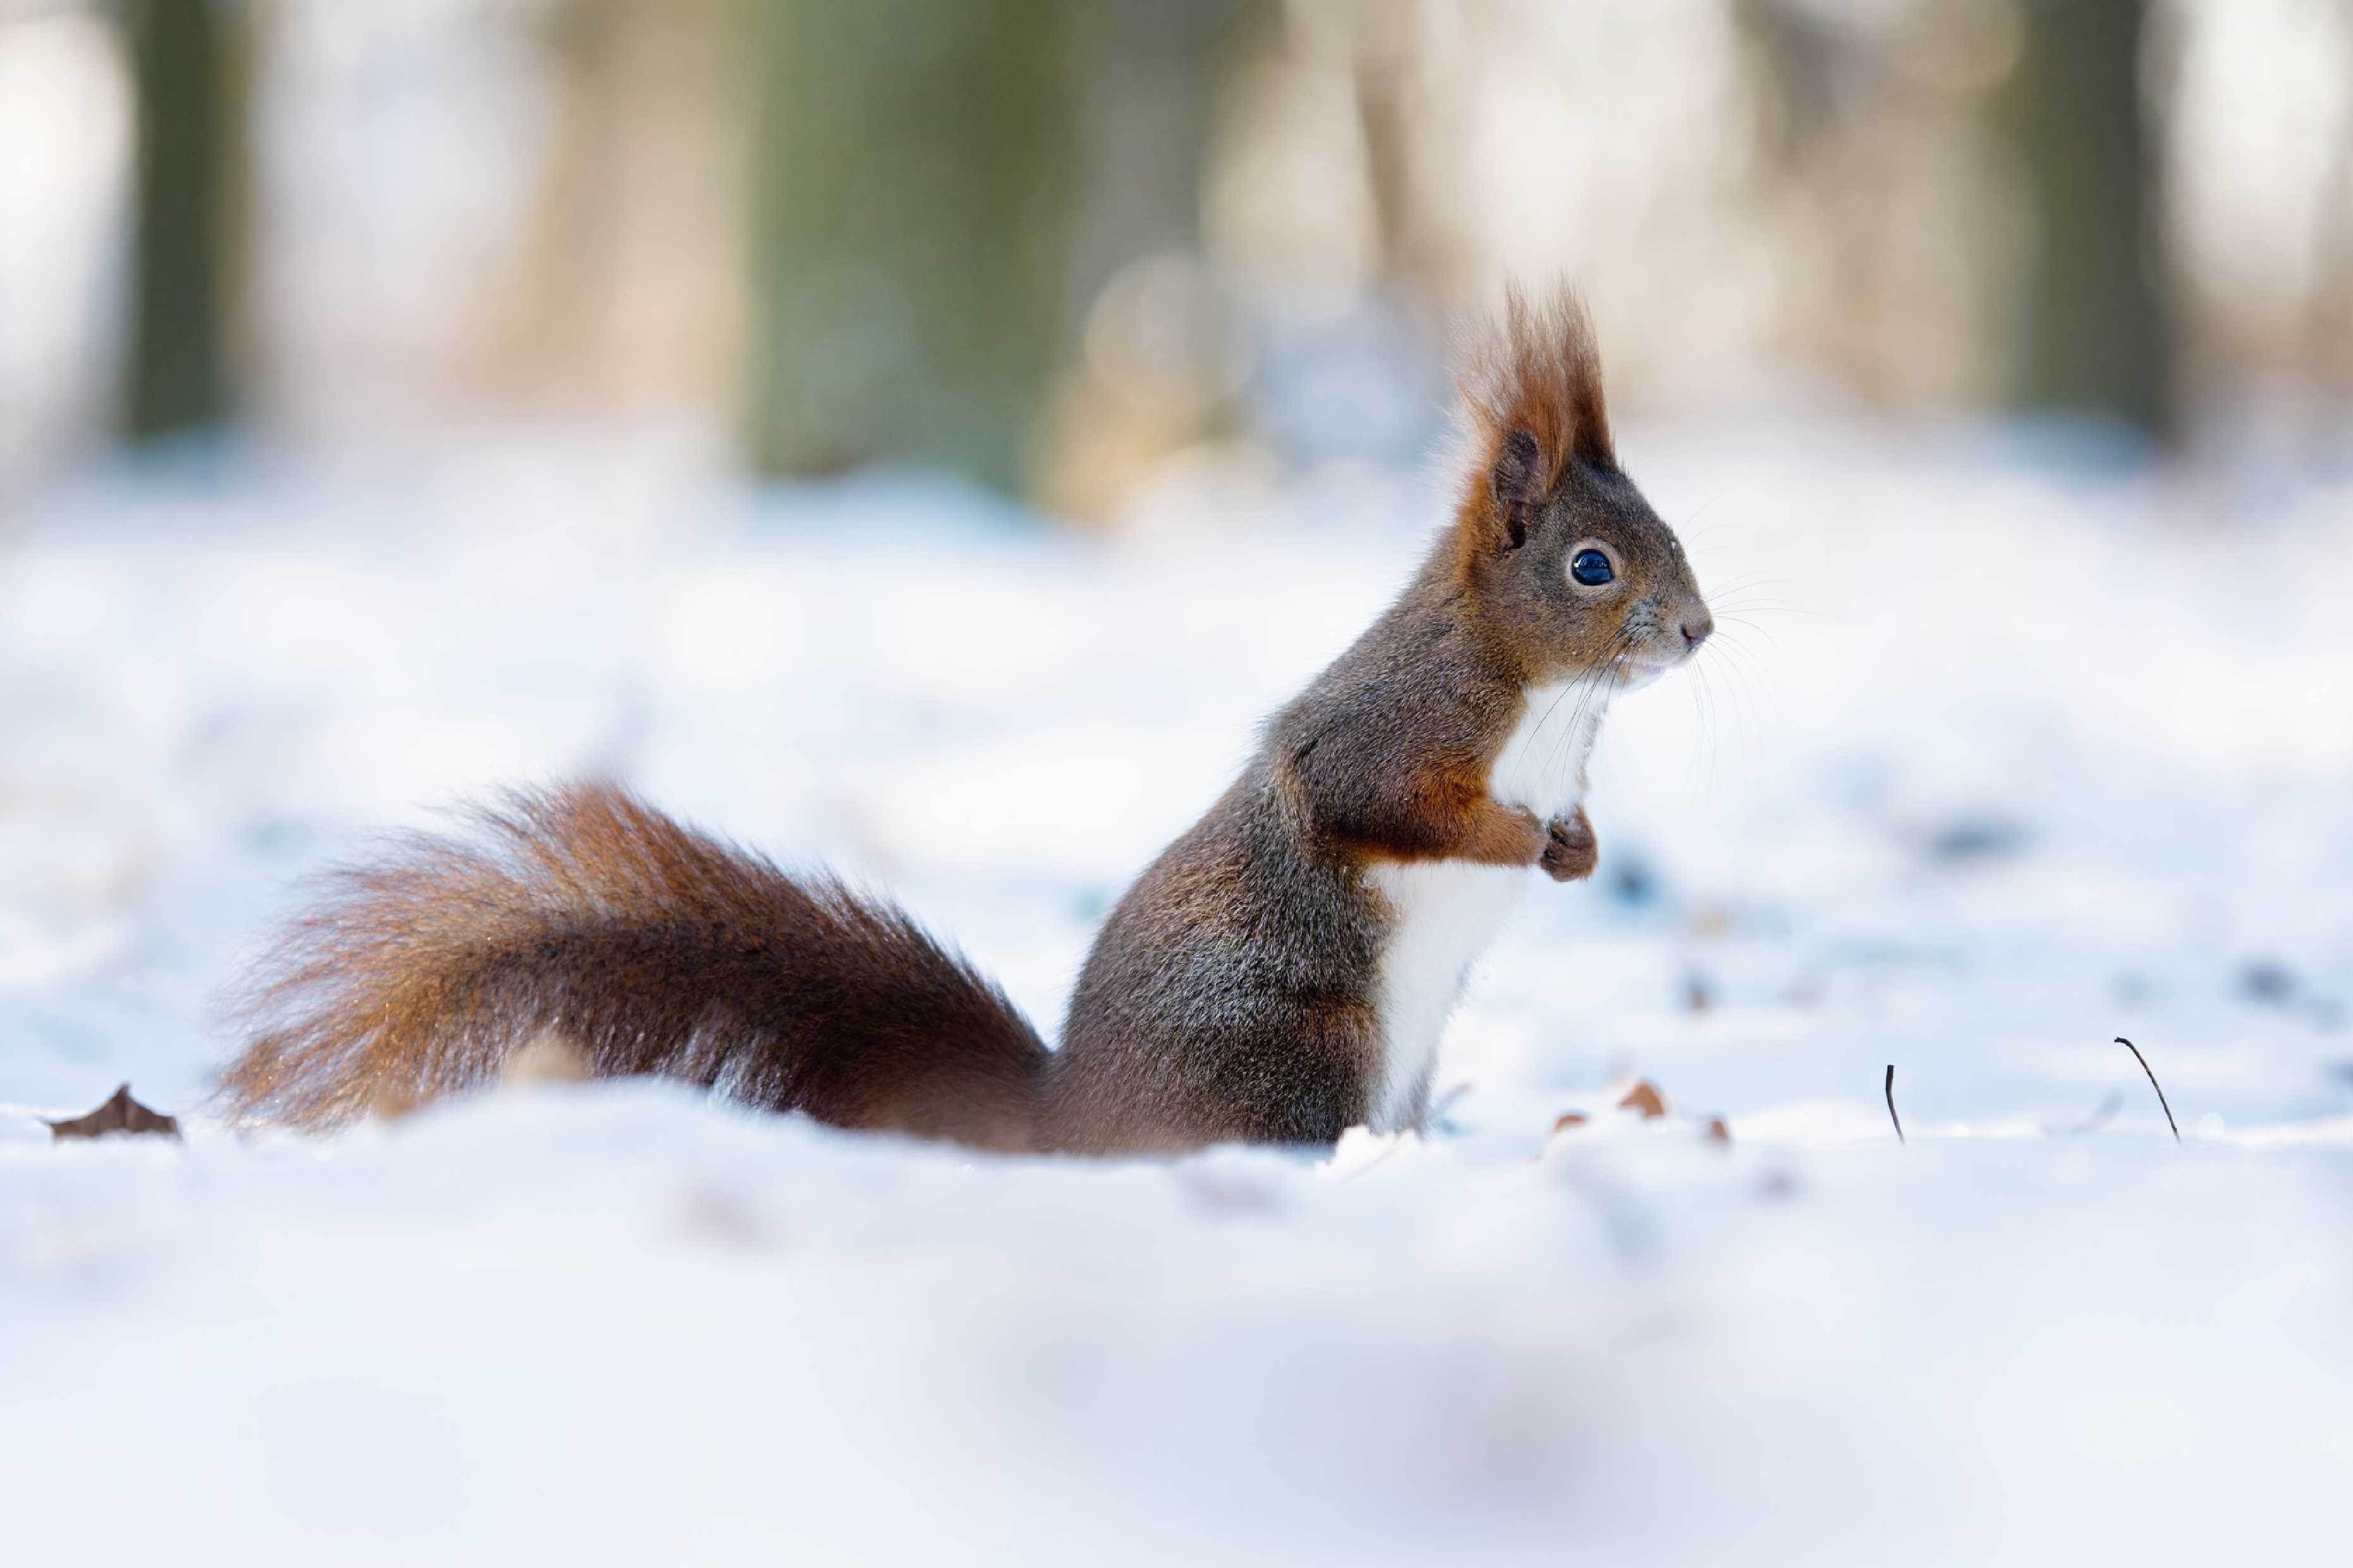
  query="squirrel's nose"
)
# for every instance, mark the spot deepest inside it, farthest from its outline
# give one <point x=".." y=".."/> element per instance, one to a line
<point x="1696" y="627"/>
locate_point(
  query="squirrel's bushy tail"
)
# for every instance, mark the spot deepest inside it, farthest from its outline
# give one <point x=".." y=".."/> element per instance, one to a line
<point x="651" y="949"/>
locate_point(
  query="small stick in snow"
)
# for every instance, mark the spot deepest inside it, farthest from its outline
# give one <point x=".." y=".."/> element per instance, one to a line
<point x="1891" y="1105"/>
<point x="2153" y="1084"/>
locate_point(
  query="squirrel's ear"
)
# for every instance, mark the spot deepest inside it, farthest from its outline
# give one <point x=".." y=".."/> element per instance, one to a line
<point x="1532" y="406"/>
<point x="1518" y="482"/>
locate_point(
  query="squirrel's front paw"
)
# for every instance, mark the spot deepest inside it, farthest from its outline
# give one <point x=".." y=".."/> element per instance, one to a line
<point x="1570" y="850"/>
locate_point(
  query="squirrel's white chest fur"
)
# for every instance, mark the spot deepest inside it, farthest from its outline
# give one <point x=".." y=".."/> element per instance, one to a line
<point x="1448" y="911"/>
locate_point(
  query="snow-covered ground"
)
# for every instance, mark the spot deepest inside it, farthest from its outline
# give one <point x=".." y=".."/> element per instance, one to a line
<point x="1998" y="761"/>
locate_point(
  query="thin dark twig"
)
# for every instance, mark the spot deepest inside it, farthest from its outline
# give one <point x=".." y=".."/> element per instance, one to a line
<point x="2153" y="1084"/>
<point x="1891" y="1105"/>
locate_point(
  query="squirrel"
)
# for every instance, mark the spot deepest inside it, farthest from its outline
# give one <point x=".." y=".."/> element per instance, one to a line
<point x="1281" y="974"/>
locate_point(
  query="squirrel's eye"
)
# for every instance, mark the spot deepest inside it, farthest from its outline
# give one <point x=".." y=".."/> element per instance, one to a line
<point x="1591" y="568"/>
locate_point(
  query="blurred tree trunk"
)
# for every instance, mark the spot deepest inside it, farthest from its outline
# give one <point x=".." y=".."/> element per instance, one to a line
<point x="630" y="282"/>
<point x="551" y="326"/>
<point x="187" y="65"/>
<point x="2097" y="337"/>
<point x="914" y="174"/>
<point x="2330" y="313"/>
<point x="1143" y="323"/>
<point x="1146" y="106"/>
<point x="1873" y="123"/>
<point x="1418" y="259"/>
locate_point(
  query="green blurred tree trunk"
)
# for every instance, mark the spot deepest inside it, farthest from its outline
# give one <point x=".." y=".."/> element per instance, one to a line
<point x="1146" y="106"/>
<point x="2097" y="337"/>
<point x="911" y="234"/>
<point x="187" y="65"/>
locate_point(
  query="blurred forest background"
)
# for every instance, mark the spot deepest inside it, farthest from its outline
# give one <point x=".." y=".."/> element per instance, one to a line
<point x="1080" y="250"/>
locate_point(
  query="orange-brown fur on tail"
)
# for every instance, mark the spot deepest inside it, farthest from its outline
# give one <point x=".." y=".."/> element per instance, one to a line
<point x="654" y="950"/>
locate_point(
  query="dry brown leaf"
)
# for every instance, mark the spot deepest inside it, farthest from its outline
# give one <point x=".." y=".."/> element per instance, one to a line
<point x="1569" y="1118"/>
<point x="1718" y="1130"/>
<point x="1645" y="1097"/>
<point x="120" y="1114"/>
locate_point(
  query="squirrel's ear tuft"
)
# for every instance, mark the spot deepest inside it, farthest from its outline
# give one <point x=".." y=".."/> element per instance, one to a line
<point x="1532" y="404"/>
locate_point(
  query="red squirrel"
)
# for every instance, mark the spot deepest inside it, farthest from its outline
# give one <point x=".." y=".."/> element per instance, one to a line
<point x="1281" y="974"/>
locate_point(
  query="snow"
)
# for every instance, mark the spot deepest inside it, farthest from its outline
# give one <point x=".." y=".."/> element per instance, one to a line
<point x="2002" y="759"/>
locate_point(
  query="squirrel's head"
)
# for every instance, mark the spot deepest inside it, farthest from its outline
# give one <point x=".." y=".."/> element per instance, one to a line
<point x="1570" y="569"/>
